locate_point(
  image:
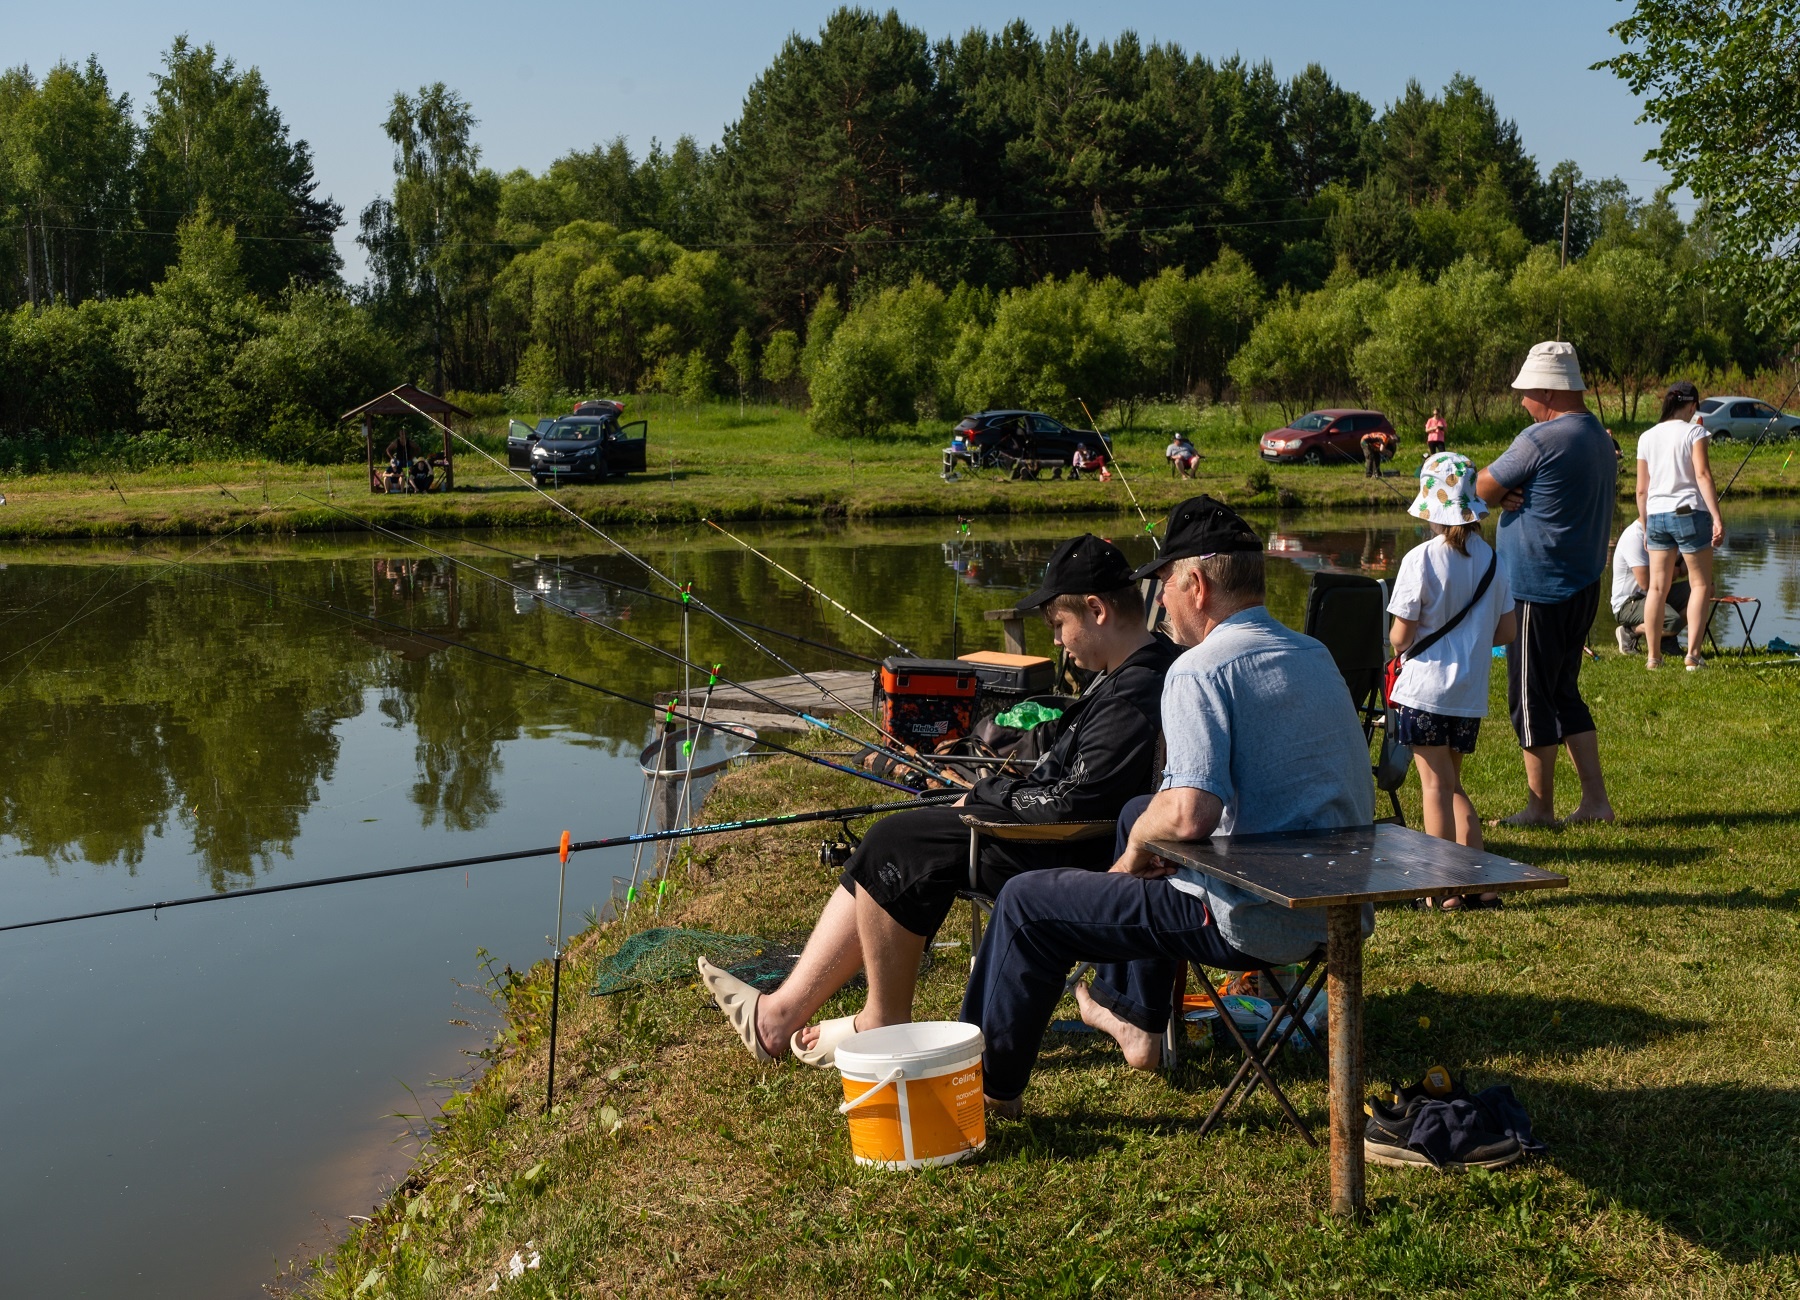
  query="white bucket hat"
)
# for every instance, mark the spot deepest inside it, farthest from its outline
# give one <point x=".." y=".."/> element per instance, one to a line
<point x="1447" y="491"/>
<point x="1551" y="365"/>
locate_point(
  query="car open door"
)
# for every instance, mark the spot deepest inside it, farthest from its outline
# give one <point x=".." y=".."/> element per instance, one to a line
<point x="626" y="453"/>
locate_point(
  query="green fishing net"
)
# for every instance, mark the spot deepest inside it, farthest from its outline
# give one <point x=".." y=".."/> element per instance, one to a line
<point x="1027" y="715"/>
<point x="669" y="953"/>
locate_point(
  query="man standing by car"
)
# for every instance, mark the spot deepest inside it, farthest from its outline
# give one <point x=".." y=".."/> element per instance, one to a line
<point x="1556" y="485"/>
<point x="1374" y="445"/>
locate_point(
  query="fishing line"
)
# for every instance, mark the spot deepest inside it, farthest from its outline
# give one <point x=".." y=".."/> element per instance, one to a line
<point x="574" y="613"/>
<point x="1765" y="432"/>
<point x="667" y="710"/>
<point x="685" y="592"/>
<point x="1149" y="528"/>
<point x="804" y="583"/>
<point x="583" y="846"/>
<point x="603" y="580"/>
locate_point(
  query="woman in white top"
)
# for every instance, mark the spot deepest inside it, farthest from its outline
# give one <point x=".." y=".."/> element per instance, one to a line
<point x="1437" y="703"/>
<point x="1679" y="508"/>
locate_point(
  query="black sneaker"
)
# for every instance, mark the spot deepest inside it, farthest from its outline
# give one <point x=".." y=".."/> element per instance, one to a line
<point x="1438" y="1084"/>
<point x="1385" y="1137"/>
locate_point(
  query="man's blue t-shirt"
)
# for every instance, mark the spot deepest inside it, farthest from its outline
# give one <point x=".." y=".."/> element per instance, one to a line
<point x="1555" y="544"/>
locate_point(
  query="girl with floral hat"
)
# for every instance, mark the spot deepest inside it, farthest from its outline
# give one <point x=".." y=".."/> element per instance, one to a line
<point x="1452" y="604"/>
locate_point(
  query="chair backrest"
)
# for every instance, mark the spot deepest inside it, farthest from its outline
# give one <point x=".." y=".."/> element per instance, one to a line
<point x="1347" y="613"/>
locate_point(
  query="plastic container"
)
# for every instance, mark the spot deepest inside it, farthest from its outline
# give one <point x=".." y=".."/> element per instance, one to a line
<point x="913" y="1094"/>
<point x="1016" y="674"/>
<point x="927" y="701"/>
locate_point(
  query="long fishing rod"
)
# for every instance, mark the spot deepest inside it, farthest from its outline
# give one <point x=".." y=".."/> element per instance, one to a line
<point x="650" y="646"/>
<point x="686" y="592"/>
<point x="646" y="593"/>
<point x="1148" y="526"/>
<point x="669" y="711"/>
<point x="815" y="591"/>
<point x="581" y="846"/>
<point x="1765" y="431"/>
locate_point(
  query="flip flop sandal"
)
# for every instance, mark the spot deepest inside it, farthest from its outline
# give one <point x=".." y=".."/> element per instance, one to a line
<point x="822" y="1055"/>
<point x="738" y="1001"/>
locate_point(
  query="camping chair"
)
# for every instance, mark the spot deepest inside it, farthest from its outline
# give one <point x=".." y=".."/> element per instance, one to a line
<point x="982" y="904"/>
<point x="1347" y="612"/>
<point x="1736" y="605"/>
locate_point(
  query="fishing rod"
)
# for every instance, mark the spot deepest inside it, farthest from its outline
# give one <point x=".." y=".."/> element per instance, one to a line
<point x="668" y="711"/>
<point x="1148" y="526"/>
<point x="563" y="846"/>
<point x="685" y="592"/>
<point x="1765" y="431"/>
<point x="647" y="593"/>
<point x="815" y="591"/>
<point x="653" y="648"/>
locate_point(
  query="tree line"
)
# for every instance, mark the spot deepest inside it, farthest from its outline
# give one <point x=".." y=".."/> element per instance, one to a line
<point x="893" y="227"/>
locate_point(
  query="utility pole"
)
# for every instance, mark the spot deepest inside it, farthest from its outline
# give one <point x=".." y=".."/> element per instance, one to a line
<point x="1568" y="193"/>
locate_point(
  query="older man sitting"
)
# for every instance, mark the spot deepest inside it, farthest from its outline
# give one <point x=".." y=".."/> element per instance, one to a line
<point x="1262" y="737"/>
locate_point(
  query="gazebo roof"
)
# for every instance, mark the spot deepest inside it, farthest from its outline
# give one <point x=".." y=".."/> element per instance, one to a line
<point x="408" y="399"/>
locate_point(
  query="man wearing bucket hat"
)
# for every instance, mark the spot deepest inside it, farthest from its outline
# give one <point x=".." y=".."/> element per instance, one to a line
<point x="1556" y="485"/>
<point x="902" y="880"/>
<point x="1262" y="737"/>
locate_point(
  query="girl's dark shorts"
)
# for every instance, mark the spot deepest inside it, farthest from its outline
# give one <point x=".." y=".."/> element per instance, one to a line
<point x="1414" y="727"/>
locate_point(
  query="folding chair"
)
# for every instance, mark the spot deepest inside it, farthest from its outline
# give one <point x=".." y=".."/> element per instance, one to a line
<point x="1347" y="612"/>
<point x="1748" y="626"/>
<point x="1288" y="1015"/>
<point x="982" y="904"/>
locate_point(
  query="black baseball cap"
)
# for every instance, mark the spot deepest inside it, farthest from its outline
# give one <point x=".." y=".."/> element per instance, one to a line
<point x="1685" y="390"/>
<point x="1082" y="566"/>
<point x="1202" y="526"/>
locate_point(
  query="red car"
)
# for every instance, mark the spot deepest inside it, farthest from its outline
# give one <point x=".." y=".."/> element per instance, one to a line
<point x="1332" y="437"/>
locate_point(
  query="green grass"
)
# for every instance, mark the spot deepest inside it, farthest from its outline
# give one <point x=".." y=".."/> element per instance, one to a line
<point x="1648" y="1016"/>
<point x="715" y="461"/>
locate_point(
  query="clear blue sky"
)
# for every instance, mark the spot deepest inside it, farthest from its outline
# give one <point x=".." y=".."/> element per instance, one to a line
<point x="548" y="76"/>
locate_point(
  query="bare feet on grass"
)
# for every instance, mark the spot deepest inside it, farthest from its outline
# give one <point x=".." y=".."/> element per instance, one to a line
<point x="1601" y="812"/>
<point x="1528" y="817"/>
<point x="1143" y="1049"/>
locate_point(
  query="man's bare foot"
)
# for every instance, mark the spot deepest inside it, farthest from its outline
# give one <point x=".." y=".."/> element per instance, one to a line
<point x="1143" y="1049"/>
<point x="1012" y="1108"/>
<point x="1526" y="817"/>
<point x="1583" y="813"/>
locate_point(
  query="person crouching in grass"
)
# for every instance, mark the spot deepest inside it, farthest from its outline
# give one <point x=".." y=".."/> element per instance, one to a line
<point x="1452" y="605"/>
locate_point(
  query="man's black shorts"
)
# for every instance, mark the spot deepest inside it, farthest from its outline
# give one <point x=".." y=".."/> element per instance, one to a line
<point x="1543" y="668"/>
<point x="914" y="862"/>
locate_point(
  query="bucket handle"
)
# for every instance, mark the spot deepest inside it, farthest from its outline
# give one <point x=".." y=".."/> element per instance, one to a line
<point x="893" y="1076"/>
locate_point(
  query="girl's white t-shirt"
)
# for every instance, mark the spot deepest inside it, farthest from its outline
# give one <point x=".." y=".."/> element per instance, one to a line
<point x="1667" y="450"/>
<point x="1435" y="581"/>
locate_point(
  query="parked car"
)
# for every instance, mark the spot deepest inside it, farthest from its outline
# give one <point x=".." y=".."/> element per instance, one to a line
<point x="1026" y="435"/>
<point x="1745" y="417"/>
<point x="1330" y="437"/>
<point x="578" y="448"/>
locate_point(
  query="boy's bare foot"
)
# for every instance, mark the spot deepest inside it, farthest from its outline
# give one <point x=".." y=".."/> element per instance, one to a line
<point x="809" y="1034"/>
<point x="1585" y="813"/>
<point x="1143" y="1049"/>
<point x="1526" y="817"/>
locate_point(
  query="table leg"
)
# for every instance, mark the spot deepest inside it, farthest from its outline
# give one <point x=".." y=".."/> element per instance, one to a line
<point x="1343" y="965"/>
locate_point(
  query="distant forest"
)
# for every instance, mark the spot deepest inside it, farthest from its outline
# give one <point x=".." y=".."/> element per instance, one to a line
<point x="177" y="274"/>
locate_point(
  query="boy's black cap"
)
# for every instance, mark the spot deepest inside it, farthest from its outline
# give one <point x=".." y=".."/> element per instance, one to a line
<point x="1202" y="526"/>
<point x="1685" y="390"/>
<point x="1082" y="566"/>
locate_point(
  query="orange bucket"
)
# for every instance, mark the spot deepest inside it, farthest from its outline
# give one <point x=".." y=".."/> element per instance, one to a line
<point x="913" y="1094"/>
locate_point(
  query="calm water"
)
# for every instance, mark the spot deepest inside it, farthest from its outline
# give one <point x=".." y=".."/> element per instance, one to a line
<point x="194" y="1100"/>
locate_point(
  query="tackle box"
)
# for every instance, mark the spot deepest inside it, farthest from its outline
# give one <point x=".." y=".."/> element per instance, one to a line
<point x="924" y="702"/>
<point x="1019" y="675"/>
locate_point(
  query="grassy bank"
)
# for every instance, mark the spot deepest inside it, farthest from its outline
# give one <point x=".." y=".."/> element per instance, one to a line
<point x="717" y="462"/>
<point x="1648" y="1017"/>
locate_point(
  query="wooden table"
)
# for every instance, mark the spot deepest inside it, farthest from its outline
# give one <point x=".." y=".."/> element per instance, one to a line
<point x="1340" y="871"/>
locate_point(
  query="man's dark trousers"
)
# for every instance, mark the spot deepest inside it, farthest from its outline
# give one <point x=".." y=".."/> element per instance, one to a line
<point x="1046" y="921"/>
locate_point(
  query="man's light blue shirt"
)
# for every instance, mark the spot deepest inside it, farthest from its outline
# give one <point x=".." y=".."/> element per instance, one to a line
<point x="1258" y="716"/>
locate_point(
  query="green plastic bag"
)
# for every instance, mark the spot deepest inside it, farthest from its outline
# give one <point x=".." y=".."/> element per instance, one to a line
<point x="1024" y="717"/>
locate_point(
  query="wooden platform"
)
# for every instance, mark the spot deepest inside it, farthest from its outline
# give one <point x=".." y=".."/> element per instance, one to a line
<point x="732" y="705"/>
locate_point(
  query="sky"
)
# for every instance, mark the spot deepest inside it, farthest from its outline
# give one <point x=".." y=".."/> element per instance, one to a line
<point x="549" y="76"/>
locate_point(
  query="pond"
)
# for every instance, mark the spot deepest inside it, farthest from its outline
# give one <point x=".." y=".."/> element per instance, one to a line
<point x="198" y="1097"/>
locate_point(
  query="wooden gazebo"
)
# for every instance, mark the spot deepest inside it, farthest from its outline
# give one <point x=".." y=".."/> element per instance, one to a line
<point x="408" y="399"/>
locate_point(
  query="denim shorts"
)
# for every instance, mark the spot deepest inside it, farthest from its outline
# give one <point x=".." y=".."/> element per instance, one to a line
<point x="1415" y="727"/>
<point x="1690" y="532"/>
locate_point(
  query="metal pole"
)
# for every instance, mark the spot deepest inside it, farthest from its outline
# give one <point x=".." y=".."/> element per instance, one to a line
<point x="1343" y="966"/>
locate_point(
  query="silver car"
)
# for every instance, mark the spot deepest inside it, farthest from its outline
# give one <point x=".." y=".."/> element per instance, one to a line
<point x="1745" y="417"/>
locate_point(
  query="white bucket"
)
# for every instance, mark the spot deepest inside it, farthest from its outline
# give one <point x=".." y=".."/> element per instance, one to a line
<point x="913" y="1094"/>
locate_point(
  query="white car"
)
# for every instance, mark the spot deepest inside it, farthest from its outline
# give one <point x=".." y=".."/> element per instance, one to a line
<point x="1745" y="417"/>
